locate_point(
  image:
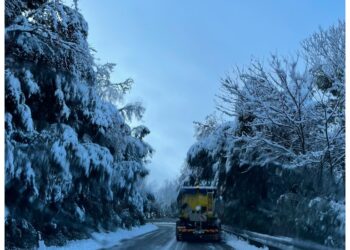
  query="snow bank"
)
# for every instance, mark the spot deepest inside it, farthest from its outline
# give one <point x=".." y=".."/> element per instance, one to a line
<point x="240" y="244"/>
<point x="102" y="240"/>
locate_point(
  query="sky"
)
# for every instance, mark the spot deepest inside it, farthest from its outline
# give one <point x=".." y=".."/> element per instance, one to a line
<point x="177" y="51"/>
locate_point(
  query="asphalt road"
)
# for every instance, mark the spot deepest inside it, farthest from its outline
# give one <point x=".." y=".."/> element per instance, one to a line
<point x="164" y="238"/>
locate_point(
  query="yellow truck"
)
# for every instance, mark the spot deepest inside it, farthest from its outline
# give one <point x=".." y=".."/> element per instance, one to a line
<point x="197" y="215"/>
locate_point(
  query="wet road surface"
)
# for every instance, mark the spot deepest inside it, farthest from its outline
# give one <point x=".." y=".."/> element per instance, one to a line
<point x="164" y="238"/>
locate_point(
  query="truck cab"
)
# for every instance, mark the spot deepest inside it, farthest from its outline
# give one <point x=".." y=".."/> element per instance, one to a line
<point x="197" y="215"/>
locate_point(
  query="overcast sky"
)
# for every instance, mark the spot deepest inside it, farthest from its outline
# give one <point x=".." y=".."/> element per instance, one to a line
<point x="177" y="51"/>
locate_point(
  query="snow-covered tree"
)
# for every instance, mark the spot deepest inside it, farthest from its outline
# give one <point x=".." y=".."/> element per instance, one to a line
<point x="203" y="129"/>
<point x="298" y="106"/>
<point x="107" y="89"/>
<point x="277" y="100"/>
<point x="279" y="159"/>
<point x="166" y="197"/>
<point x="325" y="53"/>
<point x="72" y="161"/>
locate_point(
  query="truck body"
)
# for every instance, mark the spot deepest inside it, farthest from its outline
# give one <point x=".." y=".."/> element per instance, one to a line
<point x="197" y="216"/>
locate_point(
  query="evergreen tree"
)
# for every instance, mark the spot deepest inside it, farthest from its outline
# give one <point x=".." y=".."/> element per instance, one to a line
<point x="72" y="161"/>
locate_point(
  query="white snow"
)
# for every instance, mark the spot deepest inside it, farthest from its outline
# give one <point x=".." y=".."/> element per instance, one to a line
<point x="30" y="83"/>
<point x="59" y="155"/>
<point x="240" y="244"/>
<point x="80" y="213"/>
<point x="105" y="114"/>
<point x="100" y="158"/>
<point x="65" y="111"/>
<point x="102" y="240"/>
<point x="26" y="117"/>
<point x="13" y="87"/>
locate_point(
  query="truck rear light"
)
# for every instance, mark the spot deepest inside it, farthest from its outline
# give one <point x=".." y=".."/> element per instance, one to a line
<point x="212" y="230"/>
<point x="185" y="230"/>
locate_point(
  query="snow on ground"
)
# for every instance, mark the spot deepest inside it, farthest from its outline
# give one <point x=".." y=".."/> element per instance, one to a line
<point x="164" y="223"/>
<point x="240" y="244"/>
<point x="102" y="240"/>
